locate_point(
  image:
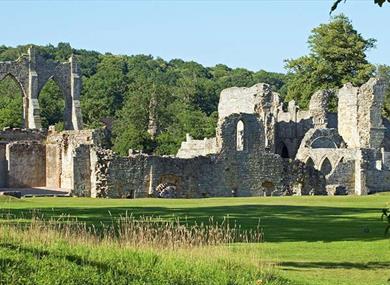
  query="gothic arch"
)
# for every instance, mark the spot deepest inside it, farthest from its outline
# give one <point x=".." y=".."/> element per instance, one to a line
<point x="310" y="162"/>
<point x="323" y="142"/>
<point x="326" y="167"/>
<point x="282" y="150"/>
<point x="13" y="77"/>
<point x="32" y="72"/>
<point x="20" y="94"/>
<point x="56" y="100"/>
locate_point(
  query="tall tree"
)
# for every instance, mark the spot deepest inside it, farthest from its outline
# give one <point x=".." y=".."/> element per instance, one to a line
<point x="337" y="2"/>
<point x="383" y="71"/>
<point x="337" y="56"/>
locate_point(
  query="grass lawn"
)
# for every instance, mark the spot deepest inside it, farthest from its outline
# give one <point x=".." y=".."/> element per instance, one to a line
<point x="313" y="240"/>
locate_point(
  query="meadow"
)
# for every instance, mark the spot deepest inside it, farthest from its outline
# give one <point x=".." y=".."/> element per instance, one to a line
<point x="306" y="240"/>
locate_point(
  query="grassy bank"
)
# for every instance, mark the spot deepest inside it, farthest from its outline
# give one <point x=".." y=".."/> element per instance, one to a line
<point x="312" y="240"/>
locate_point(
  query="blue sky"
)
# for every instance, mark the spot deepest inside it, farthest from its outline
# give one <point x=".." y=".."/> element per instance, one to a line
<point x="251" y="34"/>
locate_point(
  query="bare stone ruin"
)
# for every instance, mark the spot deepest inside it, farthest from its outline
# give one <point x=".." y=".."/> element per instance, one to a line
<point x="262" y="147"/>
<point x="31" y="72"/>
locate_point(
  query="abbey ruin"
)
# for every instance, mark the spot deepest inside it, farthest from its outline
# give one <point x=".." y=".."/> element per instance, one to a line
<point x="262" y="146"/>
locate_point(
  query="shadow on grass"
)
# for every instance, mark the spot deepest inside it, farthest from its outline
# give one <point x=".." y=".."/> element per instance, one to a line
<point x="280" y="223"/>
<point x="40" y="254"/>
<point x="336" y="265"/>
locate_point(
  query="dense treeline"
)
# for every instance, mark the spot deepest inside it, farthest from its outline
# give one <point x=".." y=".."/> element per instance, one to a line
<point x="126" y="92"/>
<point x="118" y="91"/>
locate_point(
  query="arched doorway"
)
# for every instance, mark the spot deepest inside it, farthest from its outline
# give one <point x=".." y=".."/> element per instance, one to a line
<point x="282" y="150"/>
<point x="168" y="186"/>
<point x="11" y="103"/>
<point x="268" y="188"/>
<point x="285" y="153"/>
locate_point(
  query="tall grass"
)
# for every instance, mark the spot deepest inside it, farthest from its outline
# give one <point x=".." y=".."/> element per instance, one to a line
<point x="130" y="250"/>
<point x="144" y="231"/>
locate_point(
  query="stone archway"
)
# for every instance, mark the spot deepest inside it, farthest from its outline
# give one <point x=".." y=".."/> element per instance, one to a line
<point x="51" y="103"/>
<point x="268" y="188"/>
<point x="32" y="71"/>
<point x="168" y="186"/>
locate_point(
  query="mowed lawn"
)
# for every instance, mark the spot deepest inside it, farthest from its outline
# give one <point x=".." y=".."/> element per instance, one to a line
<point x="313" y="240"/>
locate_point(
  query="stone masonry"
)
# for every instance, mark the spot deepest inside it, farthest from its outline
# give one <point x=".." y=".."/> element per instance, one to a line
<point x="262" y="146"/>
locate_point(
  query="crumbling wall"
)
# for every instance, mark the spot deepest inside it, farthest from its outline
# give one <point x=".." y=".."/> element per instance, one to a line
<point x="69" y="159"/>
<point x="26" y="164"/>
<point x="343" y="175"/>
<point x="302" y="179"/>
<point x="359" y="114"/>
<point x="292" y="124"/>
<point x="17" y="134"/>
<point x="192" y="148"/>
<point x="140" y="175"/>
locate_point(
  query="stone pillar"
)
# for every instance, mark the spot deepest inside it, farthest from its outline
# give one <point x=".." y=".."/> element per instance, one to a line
<point x="152" y="126"/>
<point x="94" y="162"/>
<point x="75" y="90"/>
<point x="360" y="175"/>
<point x="31" y="105"/>
<point x="150" y="187"/>
<point x="318" y="108"/>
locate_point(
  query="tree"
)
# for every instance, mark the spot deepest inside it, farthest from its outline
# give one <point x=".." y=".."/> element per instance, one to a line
<point x="337" y="56"/>
<point x="337" y="2"/>
<point x="383" y="71"/>
<point x="103" y="92"/>
<point x="117" y="92"/>
<point x="52" y="104"/>
<point x="11" y="104"/>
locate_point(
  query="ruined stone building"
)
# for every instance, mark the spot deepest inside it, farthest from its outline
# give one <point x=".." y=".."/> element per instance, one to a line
<point x="262" y="146"/>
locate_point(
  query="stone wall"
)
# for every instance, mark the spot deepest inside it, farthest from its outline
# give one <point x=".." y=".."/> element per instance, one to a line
<point x="53" y="166"/>
<point x="26" y="164"/>
<point x="359" y="114"/>
<point x="139" y="176"/>
<point x="16" y="134"/>
<point x="69" y="159"/>
<point x="82" y="171"/>
<point x="192" y="148"/>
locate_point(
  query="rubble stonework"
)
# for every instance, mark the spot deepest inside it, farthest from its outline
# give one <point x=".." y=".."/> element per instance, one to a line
<point x="262" y="147"/>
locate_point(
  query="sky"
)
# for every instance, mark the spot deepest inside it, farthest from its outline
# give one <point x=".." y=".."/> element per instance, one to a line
<point x="250" y="34"/>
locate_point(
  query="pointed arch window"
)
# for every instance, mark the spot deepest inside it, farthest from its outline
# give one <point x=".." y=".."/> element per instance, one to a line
<point x="240" y="144"/>
<point x="326" y="167"/>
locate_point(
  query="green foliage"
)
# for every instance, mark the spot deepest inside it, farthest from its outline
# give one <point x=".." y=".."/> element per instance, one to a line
<point x="117" y="91"/>
<point x="383" y="71"/>
<point x="337" y="2"/>
<point x="11" y="104"/>
<point x="337" y="56"/>
<point x="386" y="217"/>
<point x="52" y="104"/>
